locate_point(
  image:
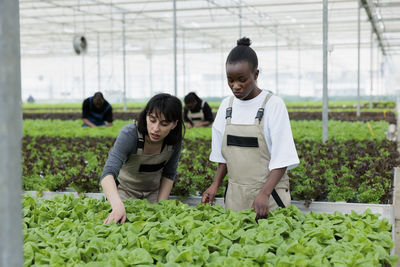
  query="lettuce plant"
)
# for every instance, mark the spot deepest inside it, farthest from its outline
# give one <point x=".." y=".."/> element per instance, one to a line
<point x="68" y="231"/>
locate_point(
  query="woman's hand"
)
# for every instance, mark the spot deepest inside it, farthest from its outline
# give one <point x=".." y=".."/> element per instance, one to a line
<point x="261" y="202"/>
<point x="261" y="206"/>
<point x="209" y="194"/>
<point x="165" y="189"/>
<point x="118" y="214"/>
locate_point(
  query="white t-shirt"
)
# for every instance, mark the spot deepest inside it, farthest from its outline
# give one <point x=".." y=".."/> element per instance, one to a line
<point x="277" y="130"/>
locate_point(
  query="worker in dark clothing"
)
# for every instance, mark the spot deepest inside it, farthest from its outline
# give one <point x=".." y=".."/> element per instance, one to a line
<point x="96" y="111"/>
<point x="197" y="112"/>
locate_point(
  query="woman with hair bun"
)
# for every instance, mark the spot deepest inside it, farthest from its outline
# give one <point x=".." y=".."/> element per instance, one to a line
<point x="251" y="140"/>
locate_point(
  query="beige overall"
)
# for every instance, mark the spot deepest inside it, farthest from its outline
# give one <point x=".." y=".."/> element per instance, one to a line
<point x="140" y="176"/>
<point x="247" y="157"/>
<point x="196" y="117"/>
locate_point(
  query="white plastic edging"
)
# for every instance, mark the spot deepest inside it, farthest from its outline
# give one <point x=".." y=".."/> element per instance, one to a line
<point x="386" y="210"/>
<point x="396" y="204"/>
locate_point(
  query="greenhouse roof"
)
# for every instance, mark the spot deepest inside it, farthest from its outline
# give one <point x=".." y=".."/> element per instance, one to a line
<point x="48" y="27"/>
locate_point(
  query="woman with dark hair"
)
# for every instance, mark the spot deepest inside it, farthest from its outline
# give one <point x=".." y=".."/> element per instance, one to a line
<point x="197" y="112"/>
<point x="251" y="140"/>
<point x="144" y="158"/>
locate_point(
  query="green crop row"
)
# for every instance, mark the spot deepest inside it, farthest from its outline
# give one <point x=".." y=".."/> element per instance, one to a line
<point x="68" y="231"/>
<point x="73" y="128"/>
<point x="302" y="130"/>
<point x="342" y="104"/>
<point x="74" y="110"/>
<point x="76" y="105"/>
<point x="354" y="171"/>
<point x="377" y="110"/>
<point x="339" y="130"/>
<point x="214" y="110"/>
<point x="350" y="171"/>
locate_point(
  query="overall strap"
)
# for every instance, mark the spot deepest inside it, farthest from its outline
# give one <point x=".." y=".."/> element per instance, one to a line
<point x="107" y="108"/>
<point x="90" y="102"/>
<point x="140" y="143"/>
<point x="260" y="112"/>
<point x="228" y="114"/>
<point x="277" y="198"/>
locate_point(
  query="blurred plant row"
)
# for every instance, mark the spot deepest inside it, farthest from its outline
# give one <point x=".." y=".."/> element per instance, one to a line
<point x="356" y="165"/>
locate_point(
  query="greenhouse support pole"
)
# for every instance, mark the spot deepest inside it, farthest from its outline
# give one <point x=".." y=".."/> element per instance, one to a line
<point x="83" y="76"/>
<point x="183" y="62"/>
<point x="298" y="68"/>
<point x="383" y="82"/>
<point x="98" y="64"/>
<point x="11" y="248"/>
<point x="150" y="57"/>
<point x="276" y="61"/>
<point x="358" y="57"/>
<point x="51" y="92"/>
<point x="240" y="19"/>
<point x="124" y="58"/>
<point x="175" y="58"/>
<point x="379" y="72"/>
<point x="222" y="71"/>
<point x="371" y="71"/>
<point x="325" y="73"/>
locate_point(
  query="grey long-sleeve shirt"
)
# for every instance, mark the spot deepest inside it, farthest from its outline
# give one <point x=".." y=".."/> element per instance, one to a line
<point x="126" y="145"/>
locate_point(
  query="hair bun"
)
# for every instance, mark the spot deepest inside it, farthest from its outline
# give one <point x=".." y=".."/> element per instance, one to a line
<point x="244" y="41"/>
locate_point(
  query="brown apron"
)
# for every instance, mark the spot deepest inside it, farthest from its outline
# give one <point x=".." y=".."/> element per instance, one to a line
<point x="196" y="117"/>
<point x="247" y="157"/>
<point x="140" y="176"/>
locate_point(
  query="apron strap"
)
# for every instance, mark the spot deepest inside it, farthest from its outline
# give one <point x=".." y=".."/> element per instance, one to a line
<point x="277" y="199"/>
<point x="140" y="143"/>
<point x="228" y="114"/>
<point x="260" y="112"/>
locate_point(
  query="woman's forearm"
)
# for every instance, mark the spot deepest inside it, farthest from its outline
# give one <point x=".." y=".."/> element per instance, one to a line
<point x="220" y="174"/>
<point x="165" y="189"/>
<point x="110" y="190"/>
<point x="89" y="123"/>
<point x="273" y="179"/>
<point x="203" y="124"/>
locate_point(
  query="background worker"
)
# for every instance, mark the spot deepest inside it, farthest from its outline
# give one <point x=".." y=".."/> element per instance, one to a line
<point x="197" y="112"/>
<point x="251" y="140"/>
<point x="96" y="111"/>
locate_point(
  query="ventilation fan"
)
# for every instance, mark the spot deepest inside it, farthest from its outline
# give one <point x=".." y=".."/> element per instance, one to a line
<point x="80" y="44"/>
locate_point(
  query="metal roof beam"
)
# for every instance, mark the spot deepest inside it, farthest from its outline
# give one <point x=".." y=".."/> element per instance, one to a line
<point x="369" y="7"/>
<point x="98" y="3"/>
<point x="342" y="27"/>
<point x="214" y="27"/>
<point x="209" y="49"/>
<point x="388" y="4"/>
<point x="389" y="19"/>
